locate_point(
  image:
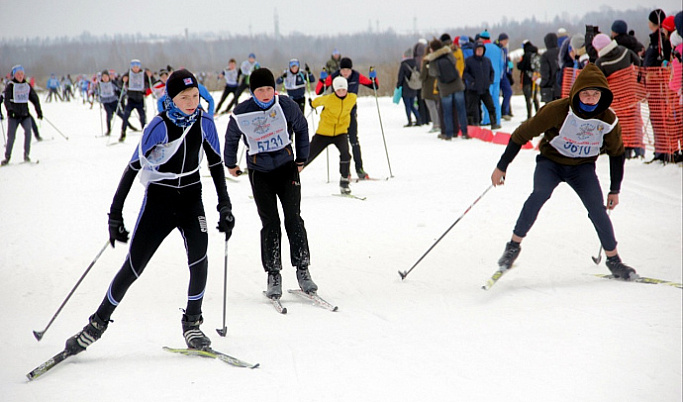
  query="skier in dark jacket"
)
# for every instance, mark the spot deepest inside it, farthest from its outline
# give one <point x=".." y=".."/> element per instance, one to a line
<point x="550" y="88"/>
<point x="18" y="93"/>
<point x="296" y="82"/>
<point x="168" y="160"/>
<point x="266" y="123"/>
<point x="575" y="131"/>
<point x="135" y="85"/>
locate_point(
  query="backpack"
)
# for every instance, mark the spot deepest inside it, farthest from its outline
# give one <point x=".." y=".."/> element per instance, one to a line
<point x="414" y="81"/>
<point x="447" y="71"/>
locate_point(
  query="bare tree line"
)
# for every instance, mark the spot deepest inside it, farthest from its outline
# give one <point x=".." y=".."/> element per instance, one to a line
<point x="210" y="52"/>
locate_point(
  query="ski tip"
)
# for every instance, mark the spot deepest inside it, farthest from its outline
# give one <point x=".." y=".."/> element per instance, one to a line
<point x="257" y="365"/>
<point x="38" y="335"/>
<point x="403" y="274"/>
<point x="222" y="331"/>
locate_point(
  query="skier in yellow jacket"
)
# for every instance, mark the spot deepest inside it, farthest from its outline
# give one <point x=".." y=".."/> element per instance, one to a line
<point x="334" y="126"/>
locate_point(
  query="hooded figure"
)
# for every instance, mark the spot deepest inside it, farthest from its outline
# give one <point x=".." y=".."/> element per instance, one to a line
<point x="550" y="88"/>
<point x="575" y="131"/>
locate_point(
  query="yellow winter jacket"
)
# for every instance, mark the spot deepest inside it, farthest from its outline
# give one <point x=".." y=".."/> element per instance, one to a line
<point x="336" y="115"/>
<point x="459" y="60"/>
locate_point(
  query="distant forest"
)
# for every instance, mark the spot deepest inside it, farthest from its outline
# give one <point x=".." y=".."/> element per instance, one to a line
<point x="210" y="52"/>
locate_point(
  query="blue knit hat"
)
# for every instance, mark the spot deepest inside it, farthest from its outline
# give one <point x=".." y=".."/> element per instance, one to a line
<point x="619" y="27"/>
<point x="16" y="68"/>
<point x="485" y="34"/>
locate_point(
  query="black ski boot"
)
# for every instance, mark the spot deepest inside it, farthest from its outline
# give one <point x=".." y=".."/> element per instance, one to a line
<point x="619" y="269"/>
<point x="274" y="290"/>
<point x="344" y="185"/>
<point x="510" y="254"/>
<point x="305" y="282"/>
<point x="90" y="333"/>
<point x="194" y="337"/>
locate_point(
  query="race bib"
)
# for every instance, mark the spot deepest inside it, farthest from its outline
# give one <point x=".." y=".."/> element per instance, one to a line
<point x="21" y="92"/>
<point x="580" y="138"/>
<point x="265" y="131"/>
<point x="136" y="81"/>
<point x="106" y="89"/>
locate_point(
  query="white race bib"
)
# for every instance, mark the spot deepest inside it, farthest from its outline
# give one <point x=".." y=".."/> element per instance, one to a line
<point x="136" y="81"/>
<point x="160" y="154"/>
<point x="579" y="138"/>
<point x="265" y="131"/>
<point x="20" y="93"/>
<point x="107" y="89"/>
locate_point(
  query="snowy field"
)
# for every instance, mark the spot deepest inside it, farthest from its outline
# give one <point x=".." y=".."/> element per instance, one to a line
<point x="548" y="331"/>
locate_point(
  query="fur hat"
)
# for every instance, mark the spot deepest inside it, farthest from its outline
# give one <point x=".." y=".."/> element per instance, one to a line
<point x="600" y="41"/>
<point x="339" y="82"/>
<point x="619" y="27"/>
<point x="179" y="81"/>
<point x="657" y="16"/>
<point x="345" y="62"/>
<point x="261" y="77"/>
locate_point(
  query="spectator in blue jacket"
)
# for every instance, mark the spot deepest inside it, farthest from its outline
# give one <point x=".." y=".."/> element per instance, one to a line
<point x="479" y="76"/>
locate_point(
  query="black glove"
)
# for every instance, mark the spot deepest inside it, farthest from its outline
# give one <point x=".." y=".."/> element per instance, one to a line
<point x="40" y="115"/>
<point x="310" y="103"/>
<point x="1" y="116"/>
<point x="226" y="222"/>
<point x="116" y="229"/>
<point x="307" y="69"/>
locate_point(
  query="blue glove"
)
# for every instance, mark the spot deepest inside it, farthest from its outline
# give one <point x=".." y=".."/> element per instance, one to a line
<point x="373" y="74"/>
<point x="323" y="75"/>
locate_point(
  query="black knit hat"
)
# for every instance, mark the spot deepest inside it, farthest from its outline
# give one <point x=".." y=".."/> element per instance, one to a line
<point x="657" y="16"/>
<point x="261" y="77"/>
<point x="345" y="63"/>
<point x="179" y="81"/>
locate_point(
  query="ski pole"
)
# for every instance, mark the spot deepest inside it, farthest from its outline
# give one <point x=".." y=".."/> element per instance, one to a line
<point x="101" y="121"/>
<point x="4" y="136"/>
<point x="405" y="273"/>
<point x="224" y="330"/>
<point x="53" y="126"/>
<point x="39" y="334"/>
<point x="597" y="259"/>
<point x="327" y="154"/>
<point x="374" y="88"/>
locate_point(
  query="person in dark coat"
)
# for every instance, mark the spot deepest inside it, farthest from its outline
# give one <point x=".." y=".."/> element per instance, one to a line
<point x="550" y="88"/>
<point x="659" y="49"/>
<point x="528" y="68"/>
<point x="407" y="68"/>
<point x="479" y="76"/>
<point x="620" y="34"/>
<point x="613" y="57"/>
<point x="451" y="90"/>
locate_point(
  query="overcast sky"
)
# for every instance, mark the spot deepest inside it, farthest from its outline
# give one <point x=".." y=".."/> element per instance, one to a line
<point x="43" y="18"/>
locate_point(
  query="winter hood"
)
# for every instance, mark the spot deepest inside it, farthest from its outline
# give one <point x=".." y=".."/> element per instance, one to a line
<point x="550" y="41"/>
<point x="591" y="77"/>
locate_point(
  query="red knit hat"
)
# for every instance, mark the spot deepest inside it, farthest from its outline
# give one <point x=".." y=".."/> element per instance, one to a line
<point x="669" y="24"/>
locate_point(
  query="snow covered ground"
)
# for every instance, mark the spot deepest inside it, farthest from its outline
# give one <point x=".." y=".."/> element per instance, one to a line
<point x="548" y="331"/>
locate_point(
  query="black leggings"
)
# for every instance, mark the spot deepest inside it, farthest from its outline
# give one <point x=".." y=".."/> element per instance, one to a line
<point x="320" y="142"/>
<point x="267" y="187"/>
<point x="163" y="210"/>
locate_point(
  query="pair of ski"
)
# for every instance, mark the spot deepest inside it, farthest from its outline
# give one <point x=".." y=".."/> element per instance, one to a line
<point x="312" y="297"/>
<point x="640" y="279"/>
<point x="208" y="353"/>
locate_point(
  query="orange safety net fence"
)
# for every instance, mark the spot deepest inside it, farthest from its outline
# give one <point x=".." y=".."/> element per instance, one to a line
<point x="650" y="113"/>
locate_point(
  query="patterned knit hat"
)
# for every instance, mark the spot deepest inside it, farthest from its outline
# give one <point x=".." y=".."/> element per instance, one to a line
<point x="179" y="81"/>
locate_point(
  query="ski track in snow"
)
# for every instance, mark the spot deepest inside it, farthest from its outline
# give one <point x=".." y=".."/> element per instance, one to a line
<point x="548" y="330"/>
